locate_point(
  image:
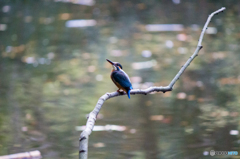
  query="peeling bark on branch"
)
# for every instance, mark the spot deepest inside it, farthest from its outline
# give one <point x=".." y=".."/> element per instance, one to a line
<point x="83" y="140"/>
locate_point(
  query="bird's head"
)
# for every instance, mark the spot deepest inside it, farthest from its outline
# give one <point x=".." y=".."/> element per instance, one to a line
<point x="115" y="65"/>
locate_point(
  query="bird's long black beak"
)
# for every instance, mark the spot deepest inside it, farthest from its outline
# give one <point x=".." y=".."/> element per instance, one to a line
<point x="110" y="62"/>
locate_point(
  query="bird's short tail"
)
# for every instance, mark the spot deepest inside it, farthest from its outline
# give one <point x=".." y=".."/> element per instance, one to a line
<point x="128" y="93"/>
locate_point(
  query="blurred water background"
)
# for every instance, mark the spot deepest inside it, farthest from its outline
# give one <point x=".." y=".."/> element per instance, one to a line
<point x="53" y="70"/>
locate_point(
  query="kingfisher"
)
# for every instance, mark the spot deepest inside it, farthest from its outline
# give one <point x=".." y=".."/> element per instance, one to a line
<point x="120" y="78"/>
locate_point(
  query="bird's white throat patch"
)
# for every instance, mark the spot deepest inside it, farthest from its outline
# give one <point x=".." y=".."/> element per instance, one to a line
<point x="114" y="67"/>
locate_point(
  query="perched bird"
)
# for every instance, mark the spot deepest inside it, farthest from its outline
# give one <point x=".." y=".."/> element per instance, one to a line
<point x="120" y="78"/>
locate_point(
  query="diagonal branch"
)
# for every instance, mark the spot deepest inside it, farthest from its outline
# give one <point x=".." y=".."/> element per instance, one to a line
<point x="83" y="140"/>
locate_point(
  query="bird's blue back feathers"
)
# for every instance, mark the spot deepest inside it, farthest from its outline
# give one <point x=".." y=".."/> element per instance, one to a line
<point x="120" y="78"/>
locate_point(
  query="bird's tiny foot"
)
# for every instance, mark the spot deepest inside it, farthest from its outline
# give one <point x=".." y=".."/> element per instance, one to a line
<point x="120" y="92"/>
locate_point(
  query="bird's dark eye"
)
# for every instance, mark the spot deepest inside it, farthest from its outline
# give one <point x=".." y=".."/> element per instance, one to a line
<point x="119" y="65"/>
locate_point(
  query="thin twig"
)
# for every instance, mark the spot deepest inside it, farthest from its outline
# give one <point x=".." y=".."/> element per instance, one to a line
<point x="83" y="140"/>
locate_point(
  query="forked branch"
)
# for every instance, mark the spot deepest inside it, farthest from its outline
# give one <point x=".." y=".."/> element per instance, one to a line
<point x="83" y="140"/>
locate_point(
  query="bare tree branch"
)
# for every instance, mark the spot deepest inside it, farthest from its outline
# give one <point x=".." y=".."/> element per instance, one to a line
<point x="83" y="140"/>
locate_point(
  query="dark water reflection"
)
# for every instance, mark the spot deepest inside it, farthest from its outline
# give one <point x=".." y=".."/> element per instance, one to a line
<point x="53" y="73"/>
